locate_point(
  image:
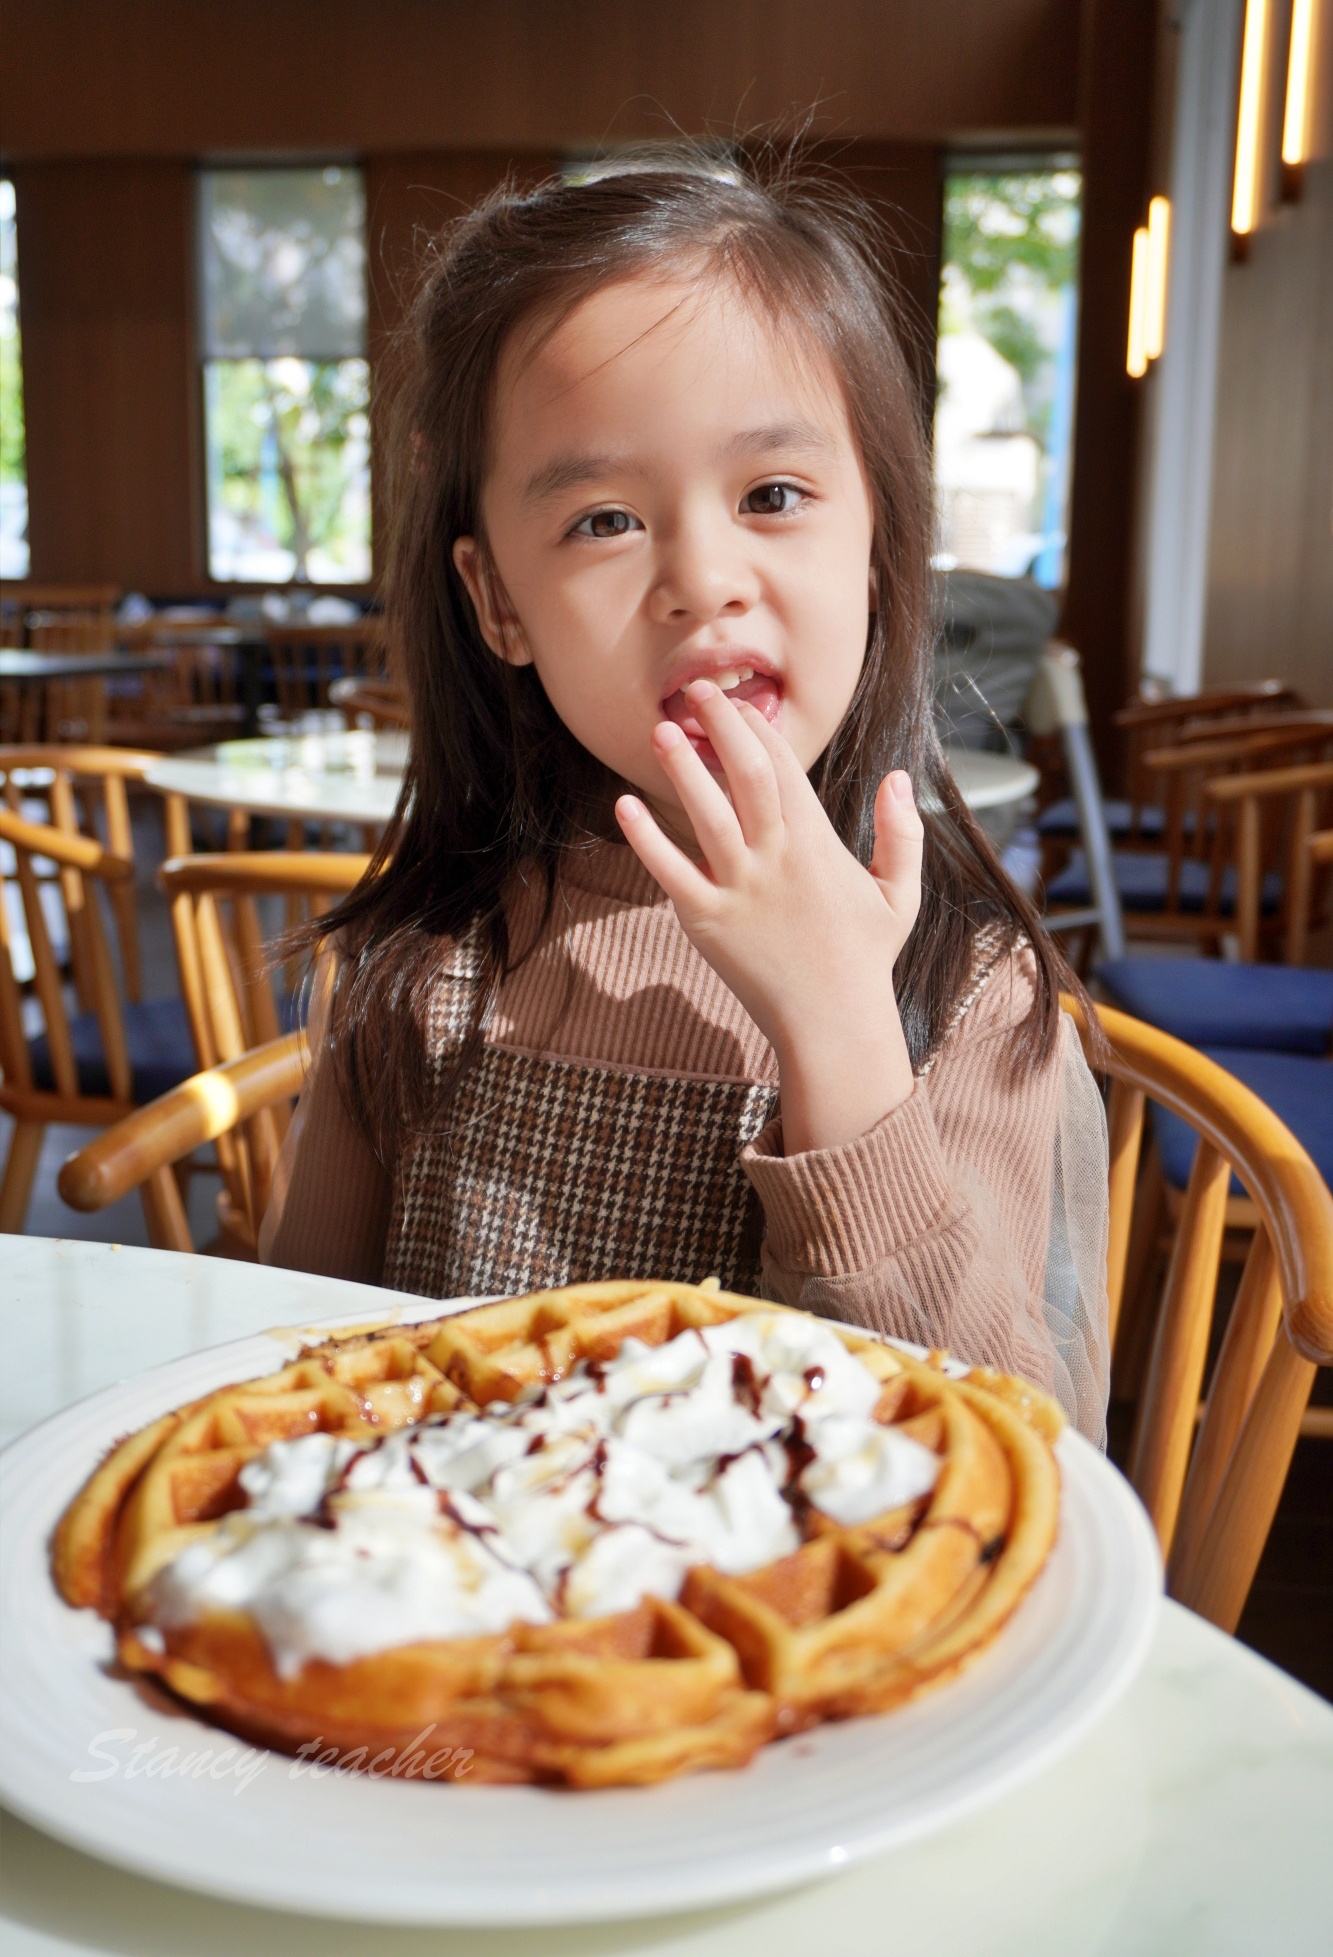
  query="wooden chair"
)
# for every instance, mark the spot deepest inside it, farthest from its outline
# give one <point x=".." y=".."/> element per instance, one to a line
<point x="90" y="1068"/>
<point x="57" y="619"/>
<point x="307" y="659"/>
<point x="220" y="940"/>
<point x="227" y="986"/>
<point x="370" y="702"/>
<point x="1275" y="814"/>
<point x="1186" y="887"/>
<point x="1212" y="1484"/>
<point x="232" y="1103"/>
<point x="1136" y="820"/>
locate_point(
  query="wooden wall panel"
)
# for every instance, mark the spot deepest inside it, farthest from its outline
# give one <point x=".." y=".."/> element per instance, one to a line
<point x="158" y="77"/>
<point x="409" y="199"/>
<point x="1270" y="563"/>
<point x="108" y="378"/>
<point x="1118" y="59"/>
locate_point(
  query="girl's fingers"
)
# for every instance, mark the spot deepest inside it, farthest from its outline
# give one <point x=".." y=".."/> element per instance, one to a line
<point x="745" y="760"/>
<point x="899" y="837"/>
<point x="713" y="819"/>
<point x="683" y="881"/>
<point x="792" y="782"/>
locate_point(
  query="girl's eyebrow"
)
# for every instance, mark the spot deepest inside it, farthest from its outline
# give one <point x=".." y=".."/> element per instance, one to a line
<point x="573" y="471"/>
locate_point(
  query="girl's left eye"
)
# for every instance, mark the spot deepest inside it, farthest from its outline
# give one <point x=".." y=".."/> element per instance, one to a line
<point x="772" y="499"/>
<point x="606" y="523"/>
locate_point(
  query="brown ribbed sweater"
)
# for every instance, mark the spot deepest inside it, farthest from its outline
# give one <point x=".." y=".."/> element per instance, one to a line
<point x="622" y="1121"/>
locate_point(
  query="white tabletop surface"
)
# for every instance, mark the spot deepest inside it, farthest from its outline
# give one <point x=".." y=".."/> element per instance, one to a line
<point x="989" y="781"/>
<point x="1196" y="1819"/>
<point x="353" y="776"/>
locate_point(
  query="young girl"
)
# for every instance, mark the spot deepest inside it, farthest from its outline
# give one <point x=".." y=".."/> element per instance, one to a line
<point x="682" y="954"/>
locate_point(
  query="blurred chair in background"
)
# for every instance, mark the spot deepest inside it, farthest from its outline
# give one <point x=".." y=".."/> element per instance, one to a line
<point x="307" y="659"/>
<point x="92" y="1066"/>
<point x="1217" y="869"/>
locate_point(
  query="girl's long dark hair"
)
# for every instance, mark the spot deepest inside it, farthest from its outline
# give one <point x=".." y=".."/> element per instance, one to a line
<point x="494" y="779"/>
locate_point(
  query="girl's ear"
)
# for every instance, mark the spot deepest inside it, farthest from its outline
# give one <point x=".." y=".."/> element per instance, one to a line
<point x="495" y="615"/>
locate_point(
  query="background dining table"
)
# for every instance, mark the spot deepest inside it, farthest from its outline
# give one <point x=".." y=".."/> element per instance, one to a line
<point x="354" y="776"/>
<point x="1195" y="1818"/>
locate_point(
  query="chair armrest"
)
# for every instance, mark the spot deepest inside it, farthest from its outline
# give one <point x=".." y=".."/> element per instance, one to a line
<point x="72" y="852"/>
<point x="1271" y="781"/>
<point x="258" y="873"/>
<point x="173" y="1126"/>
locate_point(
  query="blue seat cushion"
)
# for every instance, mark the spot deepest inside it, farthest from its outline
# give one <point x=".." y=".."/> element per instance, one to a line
<point x="1274" y="1008"/>
<point x="1060" y="820"/>
<point x="1298" y="1090"/>
<point x="157" y="1034"/>
<point x="1142" y="883"/>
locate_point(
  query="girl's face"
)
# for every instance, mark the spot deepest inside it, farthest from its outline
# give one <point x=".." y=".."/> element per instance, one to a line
<point x="674" y="494"/>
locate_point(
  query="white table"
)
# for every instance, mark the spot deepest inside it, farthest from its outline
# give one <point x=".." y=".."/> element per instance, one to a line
<point x="1197" y="1818"/>
<point x="355" y="776"/>
<point x="990" y="781"/>
<point x="352" y="776"/>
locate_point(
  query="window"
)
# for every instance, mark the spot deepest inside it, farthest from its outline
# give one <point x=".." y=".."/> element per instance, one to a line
<point x="286" y="384"/>
<point x="1005" y="408"/>
<point x="13" y="454"/>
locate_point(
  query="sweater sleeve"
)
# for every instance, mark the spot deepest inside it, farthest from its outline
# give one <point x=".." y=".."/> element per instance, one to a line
<point x="935" y="1225"/>
<point x="329" y="1207"/>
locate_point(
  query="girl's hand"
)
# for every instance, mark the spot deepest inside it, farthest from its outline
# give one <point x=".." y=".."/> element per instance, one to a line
<point x="801" y="933"/>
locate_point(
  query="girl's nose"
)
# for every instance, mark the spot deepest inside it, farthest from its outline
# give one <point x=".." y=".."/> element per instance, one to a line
<point x="703" y="572"/>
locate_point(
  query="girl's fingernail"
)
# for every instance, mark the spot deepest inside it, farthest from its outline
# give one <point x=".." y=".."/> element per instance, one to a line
<point x="900" y="782"/>
<point x="700" y="690"/>
<point x="628" y="809"/>
<point x="668" y="734"/>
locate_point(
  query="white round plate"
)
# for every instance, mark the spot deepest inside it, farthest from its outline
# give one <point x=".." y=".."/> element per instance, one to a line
<point x="113" y="1768"/>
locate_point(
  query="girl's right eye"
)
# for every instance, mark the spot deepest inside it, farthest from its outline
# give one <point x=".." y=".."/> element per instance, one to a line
<point x="604" y="524"/>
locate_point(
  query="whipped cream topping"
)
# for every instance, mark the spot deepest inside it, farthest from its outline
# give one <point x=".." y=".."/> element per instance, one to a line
<point x="578" y="1500"/>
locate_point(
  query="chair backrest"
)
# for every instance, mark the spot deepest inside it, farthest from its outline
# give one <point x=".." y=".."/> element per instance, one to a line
<point x="221" y="941"/>
<point x="85" y="793"/>
<point x="370" y="702"/>
<point x="307" y="659"/>
<point x="83" y="864"/>
<point x="1277" y="814"/>
<point x="226" y="984"/>
<point x="232" y="1104"/>
<point x="1151" y="724"/>
<point x="1203" y="824"/>
<point x="27" y="608"/>
<point x="1212" y="1492"/>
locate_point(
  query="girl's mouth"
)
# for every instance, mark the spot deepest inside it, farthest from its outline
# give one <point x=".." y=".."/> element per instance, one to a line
<point x="741" y="682"/>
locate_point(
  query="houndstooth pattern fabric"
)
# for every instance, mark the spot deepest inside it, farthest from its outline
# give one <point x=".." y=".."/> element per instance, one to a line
<point x="553" y="1172"/>
<point x="557" y="1172"/>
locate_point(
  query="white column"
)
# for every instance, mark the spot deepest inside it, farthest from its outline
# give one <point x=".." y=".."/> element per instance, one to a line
<point x="1184" y="380"/>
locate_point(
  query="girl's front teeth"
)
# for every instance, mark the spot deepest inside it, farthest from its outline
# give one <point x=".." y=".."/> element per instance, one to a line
<point x="728" y="682"/>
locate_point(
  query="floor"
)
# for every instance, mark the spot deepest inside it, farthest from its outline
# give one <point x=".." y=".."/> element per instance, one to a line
<point x="1289" y="1616"/>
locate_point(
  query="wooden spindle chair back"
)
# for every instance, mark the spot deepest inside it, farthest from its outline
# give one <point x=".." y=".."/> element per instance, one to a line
<point x="86" y="792"/>
<point x="1212" y="1485"/>
<point x="84" y="866"/>
<point x="307" y="659"/>
<point x="1147" y="725"/>
<point x="1277" y="814"/>
<point x="1202" y="838"/>
<point x="225" y="969"/>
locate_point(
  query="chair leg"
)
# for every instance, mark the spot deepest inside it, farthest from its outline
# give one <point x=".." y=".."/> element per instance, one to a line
<point x="25" y="1146"/>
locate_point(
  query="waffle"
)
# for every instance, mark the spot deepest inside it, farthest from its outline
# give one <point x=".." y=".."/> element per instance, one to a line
<point x="856" y="1619"/>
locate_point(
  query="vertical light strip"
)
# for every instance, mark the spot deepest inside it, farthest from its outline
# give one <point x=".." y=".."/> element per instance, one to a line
<point x="1154" y="297"/>
<point x="1295" y="116"/>
<point x="1245" y="186"/>
<point x="1136" y="358"/>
